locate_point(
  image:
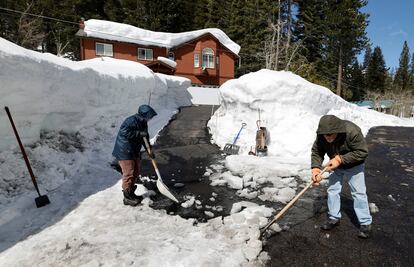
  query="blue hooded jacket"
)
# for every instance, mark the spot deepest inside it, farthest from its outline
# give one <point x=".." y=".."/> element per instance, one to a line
<point x="129" y="139"/>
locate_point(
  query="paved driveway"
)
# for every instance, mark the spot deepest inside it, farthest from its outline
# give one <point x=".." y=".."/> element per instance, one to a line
<point x="390" y="183"/>
<point x="184" y="151"/>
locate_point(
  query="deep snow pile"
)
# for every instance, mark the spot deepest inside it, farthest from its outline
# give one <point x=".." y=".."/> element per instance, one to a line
<point x="74" y="101"/>
<point x="290" y="108"/>
<point x="72" y="111"/>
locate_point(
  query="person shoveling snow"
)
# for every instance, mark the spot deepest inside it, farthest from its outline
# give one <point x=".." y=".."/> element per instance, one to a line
<point x="127" y="150"/>
<point x="345" y="145"/>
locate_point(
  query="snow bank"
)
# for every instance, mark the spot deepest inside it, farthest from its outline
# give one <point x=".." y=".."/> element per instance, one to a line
<point x="290" y="108"/>
<point x="101" y="232"/>
<point x="48" y="94"/>
<point x="77" y="108"/>
<point x="204" y="96"/>
<point x="109" y="30"/>
<point x="168" y="61"/>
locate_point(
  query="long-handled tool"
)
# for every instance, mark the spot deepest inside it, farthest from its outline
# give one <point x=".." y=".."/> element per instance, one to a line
<point x="41" y="200"/>
<point x="160" y="184"/>
<point x="261" y="136"/>
<point x="277" y="216"/>
<point x="233" y="149"/>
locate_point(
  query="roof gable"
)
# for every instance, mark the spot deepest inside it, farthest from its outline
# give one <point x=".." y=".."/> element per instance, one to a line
<point x="200" y="37"/>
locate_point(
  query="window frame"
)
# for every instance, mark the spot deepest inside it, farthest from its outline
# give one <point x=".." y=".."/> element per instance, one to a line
<point x="145" y="53"/>
<point x="196" y="60"/>
<point x="209" y="54"/>
<point x="105" y="51"/>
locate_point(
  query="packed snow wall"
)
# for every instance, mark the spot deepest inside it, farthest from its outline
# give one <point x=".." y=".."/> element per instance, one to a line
<point x="64" y="110"/>
<point x="290" y="108"/>
<point x="45" y="92"/>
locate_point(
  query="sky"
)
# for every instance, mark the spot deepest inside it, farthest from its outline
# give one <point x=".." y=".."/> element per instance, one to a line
<point x="390" y="24"/>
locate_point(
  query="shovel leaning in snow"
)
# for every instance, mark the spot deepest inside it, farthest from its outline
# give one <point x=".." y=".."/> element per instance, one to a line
<point x="160" y="184"/>
<point x="41" y="200"/>
<point x="233" y="149"/>
<point x="263" y="230"/>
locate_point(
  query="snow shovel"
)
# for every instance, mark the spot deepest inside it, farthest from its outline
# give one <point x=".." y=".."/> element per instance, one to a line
<point x="232" y="149"/>
<point x="160" y="184"/>
<point x="41" y="200"/>
<point x="262" y="231"/>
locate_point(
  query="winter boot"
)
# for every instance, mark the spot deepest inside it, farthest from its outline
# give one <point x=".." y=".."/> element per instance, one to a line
<point x="330" y="224"/>
<point x="135" y="196"/>
<point x="364" y="231"/>
<point x="130" y="198"/>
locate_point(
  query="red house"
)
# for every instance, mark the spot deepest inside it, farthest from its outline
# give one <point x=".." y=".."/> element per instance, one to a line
<point x="206" y="57"/>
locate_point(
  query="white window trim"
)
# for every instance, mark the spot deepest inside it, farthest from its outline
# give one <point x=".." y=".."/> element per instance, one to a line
<point x="209" y="52"/>
<point x="196" y="60"/>
<point x="146" y="50"/>
<point x="107" y="52"/>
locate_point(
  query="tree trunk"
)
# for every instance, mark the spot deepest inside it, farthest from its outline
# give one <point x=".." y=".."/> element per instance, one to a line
<point x="278" y="38"/>
<point x="289" y="25"/>
<point x="339" y="81"/>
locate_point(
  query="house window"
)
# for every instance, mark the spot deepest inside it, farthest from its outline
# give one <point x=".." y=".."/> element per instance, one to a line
<point x="196" y="60"/>
<point x="208" y="58"/>
<point x="145" y="54"/>
<point x="105" y="50"/>
<point x="171" y="56"/>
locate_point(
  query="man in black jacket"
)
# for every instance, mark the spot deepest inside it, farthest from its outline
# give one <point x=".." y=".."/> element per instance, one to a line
<point x="345" y="145"/>
<point x="127" y="150"/>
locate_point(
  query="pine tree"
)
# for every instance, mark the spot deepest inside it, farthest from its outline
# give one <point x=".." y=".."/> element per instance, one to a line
<point x="356" y="82"/>
<point x="217" y="14"/>
<point x="367" y="58"/>
<point x="402" y="77"/>
<point x="310" y="28"/>
<point x="377" y="72"/>
<point x="248" y="25"/>
<point x="346" y="35"/>
<point x="412" y="73"/>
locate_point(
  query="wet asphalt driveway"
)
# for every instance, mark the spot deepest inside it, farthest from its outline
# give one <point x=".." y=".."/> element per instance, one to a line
<point x="183" y="152"/>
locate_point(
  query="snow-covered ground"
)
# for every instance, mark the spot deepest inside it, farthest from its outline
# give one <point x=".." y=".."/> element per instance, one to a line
<point x="68" y="114"/>
<point x="204" y="95"/>
<point x="290" y="108"/>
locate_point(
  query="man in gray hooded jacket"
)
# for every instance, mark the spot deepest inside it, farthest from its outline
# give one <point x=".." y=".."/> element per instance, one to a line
<point x="345" y="145"/>
<point x="127" y="150"/>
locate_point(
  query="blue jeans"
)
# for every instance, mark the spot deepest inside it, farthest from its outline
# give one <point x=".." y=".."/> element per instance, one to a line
<point x="356" y="181"/>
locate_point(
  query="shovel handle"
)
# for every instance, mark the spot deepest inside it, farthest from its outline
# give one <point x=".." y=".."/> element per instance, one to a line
<point x="147" y="146"/>
<point x="26" y="159"/>
<point x="238" y="134"/>
<point x="277" y="216"/>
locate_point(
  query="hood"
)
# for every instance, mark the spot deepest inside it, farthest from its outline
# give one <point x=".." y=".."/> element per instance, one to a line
<point x="146" y="112"/>
<point x="330" y="124"/>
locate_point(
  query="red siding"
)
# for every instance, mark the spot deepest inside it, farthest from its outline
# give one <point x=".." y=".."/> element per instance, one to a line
<point x="184" y="56"/>
<point x="121" y="50"/>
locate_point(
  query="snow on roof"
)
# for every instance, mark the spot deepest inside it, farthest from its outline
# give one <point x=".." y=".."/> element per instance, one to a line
<point x="126" y="33"/>
<point x="168" y="61"/>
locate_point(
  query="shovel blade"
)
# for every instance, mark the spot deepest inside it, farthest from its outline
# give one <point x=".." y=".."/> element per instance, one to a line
<point x="231" y="149"/>
<point x="42" y="201"/>
<point x="165" y="191"/>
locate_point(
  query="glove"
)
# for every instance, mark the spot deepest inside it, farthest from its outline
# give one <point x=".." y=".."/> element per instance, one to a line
<point x="141" y="134"/>
<point x="316" y="176"/>
<point x="334" y="163"/>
